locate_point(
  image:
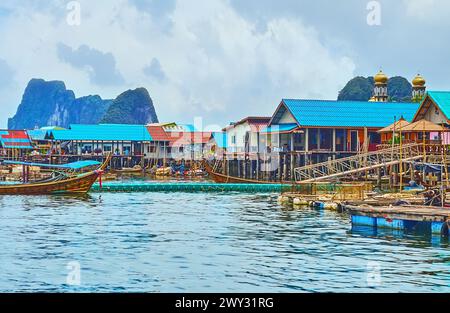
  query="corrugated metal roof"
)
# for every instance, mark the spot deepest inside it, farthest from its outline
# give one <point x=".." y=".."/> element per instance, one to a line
<point x="52" y="128"/>
<point x="423" y="126"/>
<point x="256" y="122"/>
<point x="279" y="128"/>
<point x="74" y="165"/>
<point x="173" y="127"/>
<point x="221" y="139"/>
<point x="442" y="99"/>
<point x="257" y="127"/>
<point x="104" y="132"/>
<point x="15" y="139"/>
<point x="394" y="126"/>
<point x="322" y="113"/>
<point x="178" y="139"/>
<point x="187" y="138"/>
<point x="157" y="133"/>
<point x="201" y="137"/>
<point x="37" y="134"/>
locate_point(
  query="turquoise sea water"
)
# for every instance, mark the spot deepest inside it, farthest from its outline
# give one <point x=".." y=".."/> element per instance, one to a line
<point x="205" y="242"/>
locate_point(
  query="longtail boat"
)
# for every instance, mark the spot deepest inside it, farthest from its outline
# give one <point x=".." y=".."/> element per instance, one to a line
<point x="129" y="170"/>
<point x="65" y="181"/>
<point x="221" y="178"/>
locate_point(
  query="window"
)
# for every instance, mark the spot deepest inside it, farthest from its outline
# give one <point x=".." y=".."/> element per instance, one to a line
<point x="126" y="150"/>
<point x="299" y="141"/>
<point x="233" y="139"/>
<point x="107" y="148"/>
<point x="312" y="140"/>
<point x="326" y="138"/>
<point x="86" y="149"/>
<point x="340" y="140"/>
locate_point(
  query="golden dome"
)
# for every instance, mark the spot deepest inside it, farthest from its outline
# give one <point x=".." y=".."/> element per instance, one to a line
<point x="380" y="78"/>
<point x="418" y="81"/>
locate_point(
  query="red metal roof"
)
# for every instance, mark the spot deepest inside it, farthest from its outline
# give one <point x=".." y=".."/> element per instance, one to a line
<point x="187" y="138"/>
<point x="256" y="122"/>
<point x="15" y="139"/>
<point x="256" y="127"/>
<point x="157" y="133"/>
<point x="201" y="137"/>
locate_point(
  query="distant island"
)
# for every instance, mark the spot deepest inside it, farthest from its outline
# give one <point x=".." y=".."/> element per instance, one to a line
<point x="50" y="103"/>
<point x="361" y="89"/>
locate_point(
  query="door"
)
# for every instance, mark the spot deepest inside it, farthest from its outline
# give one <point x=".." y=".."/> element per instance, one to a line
<point x="247" y="142"/>
<point x="354" y="140"/>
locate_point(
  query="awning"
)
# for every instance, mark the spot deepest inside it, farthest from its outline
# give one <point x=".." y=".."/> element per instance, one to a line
<point x="280" y="128"/>
<point x="73" y="166"/>
<point x="397" y="126"/>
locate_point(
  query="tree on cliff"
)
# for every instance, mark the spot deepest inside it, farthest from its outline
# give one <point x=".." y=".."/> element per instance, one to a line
<point x="131" y="107"/>
<point x="361" y="89"/>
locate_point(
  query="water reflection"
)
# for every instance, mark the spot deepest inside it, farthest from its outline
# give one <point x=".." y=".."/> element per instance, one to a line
<point x="416" y="239"/>
<point x="203" y="242"/>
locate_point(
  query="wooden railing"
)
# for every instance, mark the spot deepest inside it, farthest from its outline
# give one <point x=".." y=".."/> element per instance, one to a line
<point x="358" y="163"/>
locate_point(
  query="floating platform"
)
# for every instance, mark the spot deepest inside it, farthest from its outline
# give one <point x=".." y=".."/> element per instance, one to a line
<point x="435" y="220"/>
<point x="321" y="202"/>
<point x="188" y="187"/>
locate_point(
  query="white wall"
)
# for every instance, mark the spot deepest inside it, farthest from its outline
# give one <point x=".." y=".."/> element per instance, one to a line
<point x="435" y="115"/>
<point x="287" y="118"/>
<point x="239" y="131"/>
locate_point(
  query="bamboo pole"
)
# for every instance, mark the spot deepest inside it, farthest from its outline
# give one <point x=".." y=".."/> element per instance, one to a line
<point x="400" y="169"/>
<point x="444" y="164"/>
<point x="392" y="154"/>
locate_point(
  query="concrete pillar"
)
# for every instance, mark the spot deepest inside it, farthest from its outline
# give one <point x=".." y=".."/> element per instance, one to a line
<point x="318" y="138"/>
<point x="307" y="139"/>
<point x="334" y="139"/>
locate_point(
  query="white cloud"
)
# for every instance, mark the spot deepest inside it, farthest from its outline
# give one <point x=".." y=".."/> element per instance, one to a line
<point x="427" y="9"/>
<point x="216" y="64"/>
<point x="100" y="66"/>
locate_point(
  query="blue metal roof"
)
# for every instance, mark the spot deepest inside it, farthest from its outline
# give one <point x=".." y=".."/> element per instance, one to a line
<point x="188" y="127"/>
<point x="104" y="132"/>
<point x="442" y="100"/>
<point x="37" y="134"/>
<point x="322" y="113"/>
<point x="221" y="139"/>
<point x="278" y="128"/>
<point x="74" y="166"/>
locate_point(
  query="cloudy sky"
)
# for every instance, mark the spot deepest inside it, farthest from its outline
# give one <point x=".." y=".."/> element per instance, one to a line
<point x="219" y="59"/>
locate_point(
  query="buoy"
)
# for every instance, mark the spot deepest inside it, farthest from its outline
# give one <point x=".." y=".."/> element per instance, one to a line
<point x="280" y="199"/>
<point x="298" y="201"/>
<point x="330" y="206"/>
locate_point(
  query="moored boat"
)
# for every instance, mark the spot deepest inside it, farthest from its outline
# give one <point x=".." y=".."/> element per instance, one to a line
<point x="65" y="181"/>
<point x="221" y="178"/>
<point x="137" y="169"/>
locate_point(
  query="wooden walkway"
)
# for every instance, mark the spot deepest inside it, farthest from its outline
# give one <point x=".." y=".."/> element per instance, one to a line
<point x="407" y="212"/>
<point x="360" y="163"/>
<point x="426" y="219"/>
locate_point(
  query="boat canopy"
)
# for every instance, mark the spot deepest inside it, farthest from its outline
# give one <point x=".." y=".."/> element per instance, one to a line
<point x="72" y="166"/>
